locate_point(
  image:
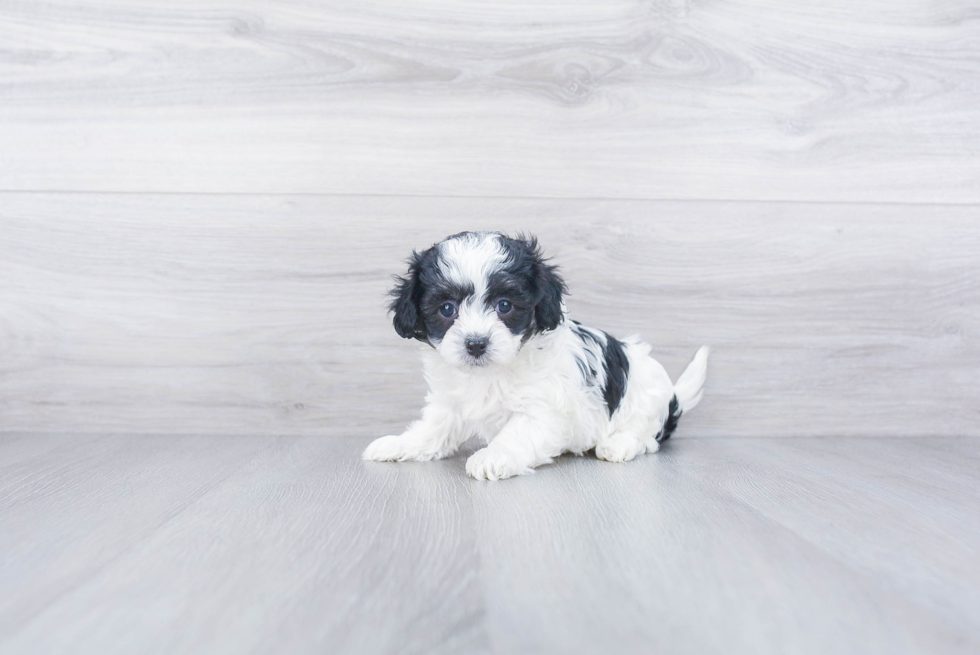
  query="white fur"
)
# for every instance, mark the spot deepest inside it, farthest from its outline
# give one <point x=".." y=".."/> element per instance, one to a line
<point x="690" y="385"/>
<point x="476" y="320"/>
<point x="470" y="258"/>
<point x="529" y="401"/>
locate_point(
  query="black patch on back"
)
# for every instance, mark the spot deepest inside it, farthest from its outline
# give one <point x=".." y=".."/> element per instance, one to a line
<point x="588" y="373"/>
<point x="586" y="336"/>
<point x="614" y="363"/>
<point x="617" y="368"/>
<point x="584" y="367"/>
<point x="673" y="415"/>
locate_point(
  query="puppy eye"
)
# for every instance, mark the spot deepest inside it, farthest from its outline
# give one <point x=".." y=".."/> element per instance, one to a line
<point x="504" y="307"/>
<point x="448" y="309"/>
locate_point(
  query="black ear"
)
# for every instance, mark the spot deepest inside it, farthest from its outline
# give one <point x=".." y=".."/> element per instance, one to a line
<point x="549" y="287"/>
<point x="406" y="296"/>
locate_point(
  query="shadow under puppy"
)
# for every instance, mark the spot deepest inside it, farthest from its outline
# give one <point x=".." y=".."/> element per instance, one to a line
<point x="508" y="366"/>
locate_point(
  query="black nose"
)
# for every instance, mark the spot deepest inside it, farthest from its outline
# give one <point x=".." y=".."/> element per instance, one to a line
<point x="476" y="347"/>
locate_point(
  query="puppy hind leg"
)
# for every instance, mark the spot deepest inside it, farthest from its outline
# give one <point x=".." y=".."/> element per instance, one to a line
<point x="623" y="445"/>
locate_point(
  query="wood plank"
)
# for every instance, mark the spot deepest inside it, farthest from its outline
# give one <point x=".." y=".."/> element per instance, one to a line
<point x="68" y="512"/>
<point x="306" y="549"/>
<point x="735" y="545"/>
<point x="245" y="315"/>
<point x="677" y="553"/>
<point x="870" y="506"/>
<point x="867" y="101"/>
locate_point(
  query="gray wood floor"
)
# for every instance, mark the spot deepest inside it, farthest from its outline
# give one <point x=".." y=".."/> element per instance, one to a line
<point x="123" y="544"/>
<point x="201" y="206"/>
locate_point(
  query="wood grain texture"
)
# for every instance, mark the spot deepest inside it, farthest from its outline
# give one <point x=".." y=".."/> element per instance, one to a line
<point x="266" y="315"/>
<point x="711" y="550"/>
<point x="868" y="101"/>
<point x="296" y="545"/>
<point x="304" y="548"/>
<point x="99" y="497"/>
<point x="795" y="184"/>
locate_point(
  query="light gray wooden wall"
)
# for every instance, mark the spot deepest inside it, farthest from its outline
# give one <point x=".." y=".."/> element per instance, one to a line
<point x="201" y="203"/>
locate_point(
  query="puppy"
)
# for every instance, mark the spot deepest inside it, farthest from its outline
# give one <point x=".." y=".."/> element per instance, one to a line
<point x="509" y="367"/>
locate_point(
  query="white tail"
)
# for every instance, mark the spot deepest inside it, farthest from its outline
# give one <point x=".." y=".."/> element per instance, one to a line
<point x="690" y="385"/>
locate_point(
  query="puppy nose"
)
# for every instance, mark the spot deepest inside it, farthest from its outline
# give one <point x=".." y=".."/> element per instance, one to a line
<point x="476" y="347"/>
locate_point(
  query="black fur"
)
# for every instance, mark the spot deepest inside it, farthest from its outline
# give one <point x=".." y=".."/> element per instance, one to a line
<point x="614" y="363"/>
<point x="545" y="288"/>
<point x="526" y="279"/>
<point x="592" y="343"/>
<point x="516" y="285"/>
<point x="406" y="296"/>
<point x="588" y="373"/>
<point x="418" y="296"/>
<point x="673" y="415"/>
<point x="617" y="368"/>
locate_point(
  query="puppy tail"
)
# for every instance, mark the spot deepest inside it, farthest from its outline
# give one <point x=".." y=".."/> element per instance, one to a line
<point x="690" y="385"/>
<point x="687" y="392"/>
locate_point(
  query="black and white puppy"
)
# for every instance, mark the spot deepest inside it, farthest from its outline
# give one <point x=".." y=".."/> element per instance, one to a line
<point x="508" y="367"/>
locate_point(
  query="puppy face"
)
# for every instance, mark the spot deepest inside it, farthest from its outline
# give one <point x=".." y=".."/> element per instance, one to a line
<point x="477" y="297"/>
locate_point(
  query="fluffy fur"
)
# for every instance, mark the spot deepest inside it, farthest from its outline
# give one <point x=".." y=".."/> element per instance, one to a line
<point x="508" y="367"/>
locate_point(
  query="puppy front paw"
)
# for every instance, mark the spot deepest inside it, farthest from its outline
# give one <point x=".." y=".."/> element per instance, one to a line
<point x="487" y="464"/>
<point x="392" y="448"/>
<point x="404" y="447"/>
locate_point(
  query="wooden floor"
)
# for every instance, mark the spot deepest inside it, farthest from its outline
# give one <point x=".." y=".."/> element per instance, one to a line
<point x="165" y="544"/>
<point x="201" y="207"/>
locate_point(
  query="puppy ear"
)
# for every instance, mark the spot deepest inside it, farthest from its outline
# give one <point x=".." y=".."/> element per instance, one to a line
<point x="549" y="286"/>
<point x="406" y="296"/>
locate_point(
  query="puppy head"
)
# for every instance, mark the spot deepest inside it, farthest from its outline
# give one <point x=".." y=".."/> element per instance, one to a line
<point x="477" y="297"/>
